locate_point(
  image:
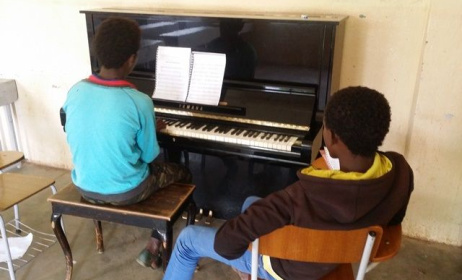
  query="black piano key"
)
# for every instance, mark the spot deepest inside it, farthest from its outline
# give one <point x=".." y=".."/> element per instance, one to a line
<point x="221" y="129"/>
<point x="209" y="127"/>
<point x="200" y="126"/>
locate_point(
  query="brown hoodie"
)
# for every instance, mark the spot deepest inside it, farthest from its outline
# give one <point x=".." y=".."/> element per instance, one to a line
<point x="320" y="203"/>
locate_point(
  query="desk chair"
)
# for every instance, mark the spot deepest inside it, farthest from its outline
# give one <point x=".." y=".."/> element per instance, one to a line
<point x="321" y="246"/>
<point x="14" y="188"/>
<point x="324" y="246"/>
<point x="11" y="157"/>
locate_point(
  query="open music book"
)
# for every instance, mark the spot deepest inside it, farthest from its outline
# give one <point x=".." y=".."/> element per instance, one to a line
<point x="186" y="76"/>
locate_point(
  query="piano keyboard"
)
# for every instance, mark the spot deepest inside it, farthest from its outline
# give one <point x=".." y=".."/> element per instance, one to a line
<point x="228" y="134"/>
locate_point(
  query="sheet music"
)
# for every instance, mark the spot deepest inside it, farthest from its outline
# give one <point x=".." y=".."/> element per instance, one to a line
<point x="332" y="163"/>
<point x="172" y="73"/>
<point x="206" y="78"/>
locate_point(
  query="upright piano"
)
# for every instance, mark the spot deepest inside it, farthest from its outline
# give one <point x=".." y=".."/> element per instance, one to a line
<point x="280" y="71"/>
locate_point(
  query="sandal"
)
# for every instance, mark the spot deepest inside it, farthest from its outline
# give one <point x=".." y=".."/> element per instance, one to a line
<point x="157" y="261"/>
<point x="147" y="259"/>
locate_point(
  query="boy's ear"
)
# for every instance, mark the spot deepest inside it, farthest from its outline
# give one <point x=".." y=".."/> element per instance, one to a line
<point x="132" y="60"/>
<point x="332" y="142"/>
<point x="332" y="137"/>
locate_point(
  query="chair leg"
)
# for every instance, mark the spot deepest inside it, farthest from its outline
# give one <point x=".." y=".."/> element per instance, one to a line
<point x="254" y="262"/>
<point x="366" y="256"/>
<point x="7" y="249"/>
<point x="99" y="236"/>
<point x="16" y="218"/>
<point x="190" y="219"/>
<point x="54" y="191"/>
<point x="59" y="233"/>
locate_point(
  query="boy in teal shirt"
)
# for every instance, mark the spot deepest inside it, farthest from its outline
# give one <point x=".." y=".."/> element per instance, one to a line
<point x="111" y="130"/>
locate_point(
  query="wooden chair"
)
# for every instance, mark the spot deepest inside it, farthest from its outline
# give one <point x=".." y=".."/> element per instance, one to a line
<point x="372" y="244"/>
<point x="10" y="158"/>
<point x="159" y="211"/>
<point x="14" y="187"/>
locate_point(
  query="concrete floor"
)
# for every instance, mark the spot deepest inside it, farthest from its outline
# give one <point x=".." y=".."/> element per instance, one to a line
<point x="416" y="260"/>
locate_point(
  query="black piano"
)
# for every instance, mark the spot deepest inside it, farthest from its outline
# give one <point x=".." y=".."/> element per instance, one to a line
<point x="280" y="71"/>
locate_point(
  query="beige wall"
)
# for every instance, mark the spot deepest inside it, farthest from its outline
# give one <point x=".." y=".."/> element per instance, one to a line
<point x="409" y="50"/>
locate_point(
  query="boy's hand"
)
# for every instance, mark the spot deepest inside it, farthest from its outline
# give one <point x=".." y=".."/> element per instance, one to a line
<point x="160" y="124"/>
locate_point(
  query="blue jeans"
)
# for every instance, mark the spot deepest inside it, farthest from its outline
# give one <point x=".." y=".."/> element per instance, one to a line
<point x="195" y="242"/>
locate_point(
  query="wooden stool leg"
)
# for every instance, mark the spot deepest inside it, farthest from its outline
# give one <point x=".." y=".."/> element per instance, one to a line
<point x="167" y="244"/>
<point x="59" y="233"/>
<point x="99" y="236"/>
<point x="191" y="213"/>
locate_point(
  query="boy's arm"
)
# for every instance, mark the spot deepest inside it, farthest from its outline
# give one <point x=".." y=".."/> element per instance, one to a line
<point x="262" y="217"/>
<point x="147" y="138"/>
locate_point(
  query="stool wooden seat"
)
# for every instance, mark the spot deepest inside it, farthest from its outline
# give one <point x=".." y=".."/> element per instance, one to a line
<point x="159" y="211"/>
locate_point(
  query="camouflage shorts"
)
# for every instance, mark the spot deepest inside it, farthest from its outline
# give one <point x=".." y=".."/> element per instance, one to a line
<point x="160" y="175"/>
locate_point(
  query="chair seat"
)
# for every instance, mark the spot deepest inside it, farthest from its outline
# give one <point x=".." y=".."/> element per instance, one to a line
<point x="8" y="158"/>
<point x="15" y="188"/>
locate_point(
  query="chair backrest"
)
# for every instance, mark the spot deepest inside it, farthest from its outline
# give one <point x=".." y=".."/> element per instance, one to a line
<point x="389" y="244"/>
<point x="319" y="246"/>
<point x="8" y="92"/>
<point x="8" y="95"/>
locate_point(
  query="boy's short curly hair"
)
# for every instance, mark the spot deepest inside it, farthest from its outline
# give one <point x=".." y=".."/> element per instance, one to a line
<point x="116" y="39"/>
<point x="360" y="117"/>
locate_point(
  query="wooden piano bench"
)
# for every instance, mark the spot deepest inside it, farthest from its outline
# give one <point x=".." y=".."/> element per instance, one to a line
<point x="160" y="211"/>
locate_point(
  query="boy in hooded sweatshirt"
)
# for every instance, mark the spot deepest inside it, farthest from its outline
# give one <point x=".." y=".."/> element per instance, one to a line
<point x="371" y="188"/>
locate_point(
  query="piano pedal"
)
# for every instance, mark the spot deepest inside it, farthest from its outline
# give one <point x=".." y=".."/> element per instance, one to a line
<point x="199" y="215"/>
<point x="184" y="216"/>
<point x="209" y="218"/>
